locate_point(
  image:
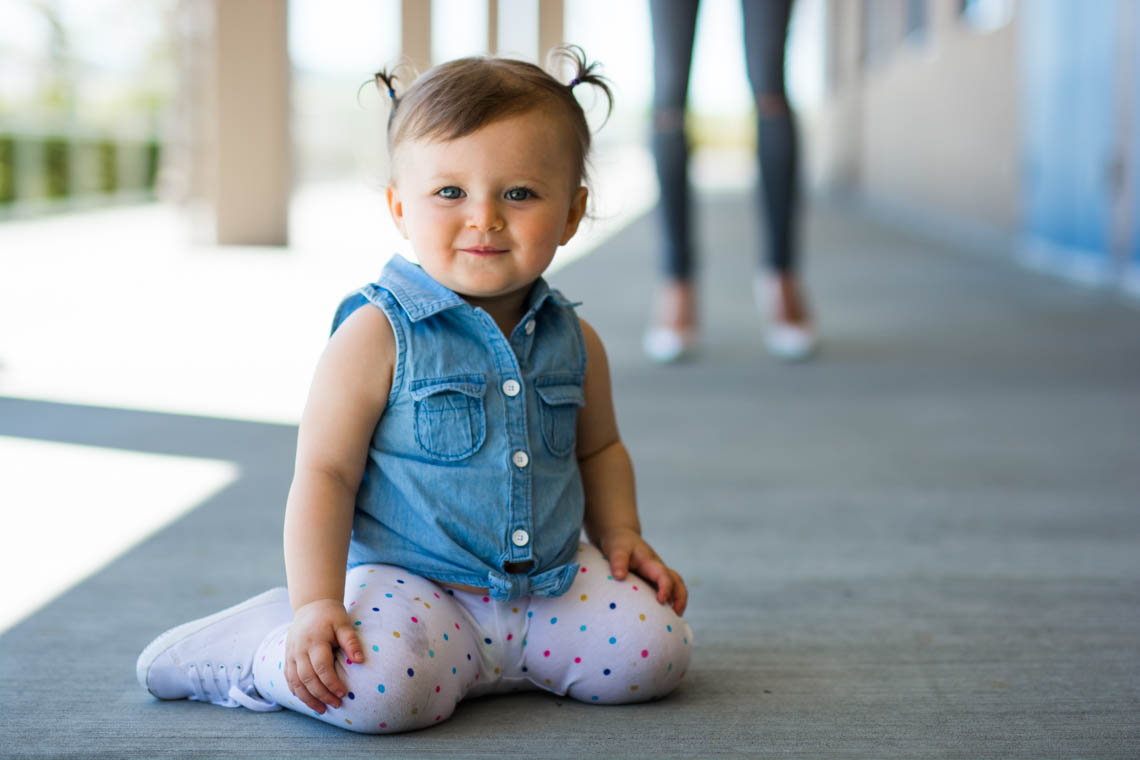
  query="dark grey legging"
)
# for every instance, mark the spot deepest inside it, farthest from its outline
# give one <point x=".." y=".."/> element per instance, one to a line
<point x="765" y="31"/>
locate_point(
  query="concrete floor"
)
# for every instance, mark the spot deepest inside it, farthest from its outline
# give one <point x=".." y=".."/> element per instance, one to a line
<point x="926" y="543"/>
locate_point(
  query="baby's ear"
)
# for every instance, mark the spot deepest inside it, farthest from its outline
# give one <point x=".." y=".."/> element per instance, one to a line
<point x="574" y="218"/>
<point x="396" y="209"/>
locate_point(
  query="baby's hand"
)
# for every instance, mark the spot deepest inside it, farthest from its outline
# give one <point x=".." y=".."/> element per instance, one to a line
<point x="628" y="551"/>
<point x="318" y="628"/>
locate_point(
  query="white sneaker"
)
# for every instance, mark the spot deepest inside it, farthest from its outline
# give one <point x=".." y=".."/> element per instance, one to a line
<point x="784" y="340"/>
<point x="666" y="345"/>
<point x="211" y="659"/>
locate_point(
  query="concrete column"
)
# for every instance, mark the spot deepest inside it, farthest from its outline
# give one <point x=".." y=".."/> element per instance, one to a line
<point x="251" y="96"/>
<point x="550" y="27"/>
<point x="415" y="34"/>
<point x="492" y="27"/>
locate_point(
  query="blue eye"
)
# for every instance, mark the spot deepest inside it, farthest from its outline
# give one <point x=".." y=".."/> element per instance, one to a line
<point x="519" y="194"/>
<point x="451" y="193"/>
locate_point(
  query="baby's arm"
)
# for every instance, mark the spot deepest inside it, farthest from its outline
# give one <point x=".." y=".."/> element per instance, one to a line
<point x="607" y="477"/>
<point x="348" y="395"/>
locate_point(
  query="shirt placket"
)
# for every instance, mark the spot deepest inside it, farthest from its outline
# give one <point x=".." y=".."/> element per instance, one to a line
<point x="520" y="521"/>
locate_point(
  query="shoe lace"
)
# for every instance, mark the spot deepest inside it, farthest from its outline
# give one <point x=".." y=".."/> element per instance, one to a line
<point x="228" y="688"/>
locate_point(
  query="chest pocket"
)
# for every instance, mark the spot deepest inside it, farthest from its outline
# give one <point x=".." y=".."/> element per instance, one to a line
<point x="559" y="398"/>
<point x="450" y="421"/>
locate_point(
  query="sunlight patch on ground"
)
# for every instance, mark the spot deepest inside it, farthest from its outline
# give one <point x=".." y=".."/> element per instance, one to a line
<point x="70" y="510"/>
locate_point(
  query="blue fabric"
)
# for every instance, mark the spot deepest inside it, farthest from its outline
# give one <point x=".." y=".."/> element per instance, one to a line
<point x="443" y="492"/>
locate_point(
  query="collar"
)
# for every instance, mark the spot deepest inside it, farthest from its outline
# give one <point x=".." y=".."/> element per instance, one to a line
<point x="421" y="297"/>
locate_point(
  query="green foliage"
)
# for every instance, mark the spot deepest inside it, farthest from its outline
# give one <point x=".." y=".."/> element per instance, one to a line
<point x="56" y="154"/>
<point x="108" y="152"/>
<point x="7" y="169"/>
<point x="153" y="156"/>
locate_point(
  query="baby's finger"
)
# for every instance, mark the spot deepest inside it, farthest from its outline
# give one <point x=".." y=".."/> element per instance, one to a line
<point x="302" y="671"/>
<point x="619" y="562"/>
<point x="680" y="593"/>
<point x="661" y="579"/>
<point x="348" y="641"/>
<point x="322" y="682"/>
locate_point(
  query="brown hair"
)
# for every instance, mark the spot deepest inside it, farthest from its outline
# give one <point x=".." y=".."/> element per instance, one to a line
<point x="456" y="98"/>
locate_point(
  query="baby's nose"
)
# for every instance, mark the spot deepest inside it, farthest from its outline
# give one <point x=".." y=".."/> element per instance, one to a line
<point x="485" y="216"/>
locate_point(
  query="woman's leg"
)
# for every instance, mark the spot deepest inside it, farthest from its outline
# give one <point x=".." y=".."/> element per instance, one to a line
<point x="765" y="33"/>
<point x="420" y="659"/>
<point x="790" y="334"/>
<point x="606" y="641"/>
<point x="671" y="333"/>
<point x="674" y="23"/>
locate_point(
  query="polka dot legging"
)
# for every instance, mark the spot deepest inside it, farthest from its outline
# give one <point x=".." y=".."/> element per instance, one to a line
<point x="426" y="647"/>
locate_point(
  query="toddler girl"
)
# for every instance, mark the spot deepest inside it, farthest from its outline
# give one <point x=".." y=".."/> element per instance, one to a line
<point x="458" y="436"/>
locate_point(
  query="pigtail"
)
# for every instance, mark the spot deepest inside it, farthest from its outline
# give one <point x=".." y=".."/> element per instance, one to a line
<point x="385" y="83"/>
<point x="584" y="73"/>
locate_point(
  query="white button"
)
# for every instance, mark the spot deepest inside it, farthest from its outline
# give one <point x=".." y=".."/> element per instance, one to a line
<point x="521" y="459"/>
<point x="512" y="388"/>
<point x="530" y="327"/>
<point x="520" y="537"/>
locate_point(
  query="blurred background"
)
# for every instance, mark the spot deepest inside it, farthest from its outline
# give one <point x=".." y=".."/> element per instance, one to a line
<point x="187" y="187"/>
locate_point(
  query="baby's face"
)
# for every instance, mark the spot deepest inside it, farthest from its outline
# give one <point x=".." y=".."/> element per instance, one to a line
<point x="485" y="213"/>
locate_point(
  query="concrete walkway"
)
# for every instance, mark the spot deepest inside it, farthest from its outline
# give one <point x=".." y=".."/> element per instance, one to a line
<point x="926" y="543"/>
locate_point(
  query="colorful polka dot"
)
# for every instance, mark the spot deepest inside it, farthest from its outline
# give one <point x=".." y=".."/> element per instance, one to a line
<point x="445" y="637"/>
<point x="437" y="691"/>
<point x="362" y="585"/>
<point x="644" y="653"/>
<point x="396" y="634"/>
<point x="399" y="581"/>
<point x="613" y="605"/>
<point x="437" y="596"/>
<point x="380" y="688"/>
<point x="583" y="597"/>
<point x="375" y="609"/>
<point x="583" y="569"/>
<point x="510" y="636"/>
<point x="577" y="659"/>
<point x="486" y="599"/>
<point x="375" y="648"/>
<point x="546" y="653"/>
<point x="415" y="619"/>
<point x="453" y="671"/>
<point x="351" y="695"/>
<point x="486" y="641"/>
<point x="388" y="595"/>
<point x="431" y="653"/>
<point x="515" y="610"/>
<point x="633" y="688"/>
<point x="606" y="672"/>
<point x="411" y="673"/>
<point x="669" y="628"/>
<point x="594" y="699"/>
<point x="357" y="623"/>
<point x="468" y="655"/>
<point x="635" y="588"/>
<point x="582" y="628"/>
<point x="383" y="725"/>
<point x="613" y="640"/>
<point x="641" y="616"/>
<point x="530" y="613"/>
<point x="553" y="620"/>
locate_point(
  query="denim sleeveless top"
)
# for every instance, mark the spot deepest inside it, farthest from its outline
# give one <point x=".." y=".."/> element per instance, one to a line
<point x="472" y="466"/>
